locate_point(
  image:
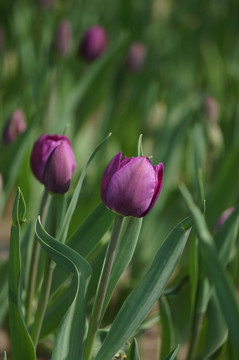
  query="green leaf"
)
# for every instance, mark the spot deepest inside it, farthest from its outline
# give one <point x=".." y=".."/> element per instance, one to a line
<point x="167" y="332"/>
<point x="71" y="208"/>
<point x="127" y="242"/>
<point x="21" y="343"/>
<point x="86" y="238"/>
<point x="215" y="270"/>
<point x="140" y="146"/>
<point x="226" y="236"/>
<point x="5" y="356"/>
<point x="216" y="331"/>
<point x="145" y="294"/>
<point x="70" y="335"/>
<point x="4" y="290"/>
<point x="173" y="354"/>
<point x="133" y="353"/>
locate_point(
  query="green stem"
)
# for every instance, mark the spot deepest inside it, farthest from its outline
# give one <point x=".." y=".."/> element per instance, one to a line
<point x="101" y="290"/>
<point x="47" y="280"/>
<point x="34" y="263"/>
<point x="195" y="335"/>
<point x="43" y="301"/>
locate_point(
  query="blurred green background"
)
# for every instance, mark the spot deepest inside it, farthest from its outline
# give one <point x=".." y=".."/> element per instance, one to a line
<point x="192" y="55"/>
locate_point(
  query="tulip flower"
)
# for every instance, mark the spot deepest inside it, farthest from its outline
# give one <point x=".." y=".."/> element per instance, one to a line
<point x="224" y="216"/>
<point x="53" y="162"/>
<point x="15" y="125"/>
<point x="63" y="40"/>
<point x="131" y="186"/>
<point x="94" y="43"/>
<point x="136" y="56"/>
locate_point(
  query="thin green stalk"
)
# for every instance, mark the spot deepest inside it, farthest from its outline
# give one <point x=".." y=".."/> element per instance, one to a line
<point x="195" y="335"/>
<point x="34" y="263"/>
<point x="101" y="290"/>
<point x="43" y="301"/>
<point x="46" y="285"/>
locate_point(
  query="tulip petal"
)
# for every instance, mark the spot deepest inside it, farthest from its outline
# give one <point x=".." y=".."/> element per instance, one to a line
<point x="159" y="171"/>
<point x="131" y="188"/>
<point x="111" y="169"/>
<point x="58" y="170"/>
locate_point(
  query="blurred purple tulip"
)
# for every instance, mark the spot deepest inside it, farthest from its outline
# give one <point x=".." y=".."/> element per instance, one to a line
<point x="211" y="109"/>
<point x="63" y="40"/>
<point x="15" y="125"/>
<point x="136" y="56"/>
<point x="94" y="43"/>
<point x="224" y="216"/>
<point x="53" y="162"/>
<point x="131" y="186"/>
<point x="46" y="4"/>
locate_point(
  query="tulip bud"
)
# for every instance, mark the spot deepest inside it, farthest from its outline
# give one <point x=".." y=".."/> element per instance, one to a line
<point x="94" y="43"/>
<point x="224" y="216"/>
<point x="53" y="162"/>
<point x="15" y="125"/>
<point x="63" y="41"/>
<point x="211" y="109"/>
<point x="136" y="56"/>
<point x="131" y="186"/>
<point x="46" y="4"/>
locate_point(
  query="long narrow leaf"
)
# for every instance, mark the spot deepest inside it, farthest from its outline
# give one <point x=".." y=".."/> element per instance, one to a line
<point x="73" y="203"/>
<point x="215" y="271"/>
<point x="145" y="294"/>
<point x="21" y="343"/>
<point x="69" y="341"/>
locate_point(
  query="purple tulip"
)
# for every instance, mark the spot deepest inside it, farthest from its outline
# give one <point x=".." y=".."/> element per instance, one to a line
<point x="15" y="125"/>
<point x="94" y="43"/>
<point x="131" y="186"/>
<point x="136" y="56"/>
<point x="224" y="216"/>
<point x="53" y="162"/>
<point x="63" y="40"/>
<point x="211" y="109"/>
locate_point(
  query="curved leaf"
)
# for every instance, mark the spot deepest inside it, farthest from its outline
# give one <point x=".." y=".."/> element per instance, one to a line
<point x="69" y="341"/>
<point x="133" y="353"/>
<point x="145" y="294"/>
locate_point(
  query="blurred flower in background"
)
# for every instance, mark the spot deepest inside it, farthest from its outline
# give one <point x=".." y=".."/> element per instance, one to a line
<point x="224" y="216"/>
<point x="131" y="186"/>
<point x="136" y="56"/>
<point x="16" y="124"/>
<point x="94" y="43"/>
<point x="63" y="39"/>
<point x="46" y="3"/>
<point x="211" y="109"/>
<point x="53" y="162"/>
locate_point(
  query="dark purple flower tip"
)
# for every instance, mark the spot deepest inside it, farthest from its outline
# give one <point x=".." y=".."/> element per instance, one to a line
<point x="50" y="166"/>
<point x="131" y="186"/>
<point x="211" y="109"/>
<point x="136" y="56"/>
<point x="63" y="40"/>
<point x="94" y="43"/>
<point x="15" y="125"/>
<point x="224" y="216"/>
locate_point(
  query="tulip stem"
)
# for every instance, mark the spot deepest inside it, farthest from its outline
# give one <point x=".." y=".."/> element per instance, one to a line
<point x="102" y="288"/>
<point x="34" y="263"/>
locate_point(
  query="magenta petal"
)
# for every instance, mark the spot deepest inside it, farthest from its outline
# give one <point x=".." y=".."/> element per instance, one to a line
<point x="112" y="167"/>
<point x="58" y="170"/>
<point x="159" y="171"/>
<point x="131" y="188"/>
